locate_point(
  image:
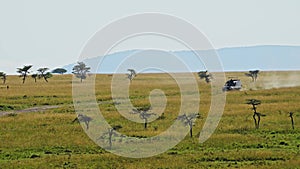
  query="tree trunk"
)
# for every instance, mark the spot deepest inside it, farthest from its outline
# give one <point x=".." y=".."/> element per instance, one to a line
<point x="254" y="109"/>
<point x="145" y="124"/>
<point x="292" y="120"/>
<point x="87" y="124"/>
<point x="258" y="115"/>
<point x="24" y="77"/>
<point x="110" y="139"/>
<point x="191" y="131"/>
<point x="255" y="122"/>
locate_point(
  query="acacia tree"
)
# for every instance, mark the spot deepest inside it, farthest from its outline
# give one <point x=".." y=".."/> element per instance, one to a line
<point x="253" y="74"/>
<point x="80" y="70"/>
<point x="205" y="75"/>
<point x="255" y="103"/>
<point x="132" y="74"/>
<point x="110" y="132"/>
<point x="83" y="118"/>
<point x="24" y="72"/>
<point x="189" y="120"/>
<point x="44" y="74"/>
<point x="143" y="114"/>
<point x="3" y="77"/>
<point x="59" y="71"/>
<point x="34" y="76"/>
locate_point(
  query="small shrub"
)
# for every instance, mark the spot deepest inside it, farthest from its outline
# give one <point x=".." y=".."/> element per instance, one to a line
<point x="173" y="153"/>
<point x="283" y="143"/>
<point x="5" y="108"/>
<point x="12" y="114"/>
<point x="34" y="156"/>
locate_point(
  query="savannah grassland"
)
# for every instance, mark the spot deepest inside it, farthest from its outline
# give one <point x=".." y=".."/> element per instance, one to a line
<point x="49" y="139"/>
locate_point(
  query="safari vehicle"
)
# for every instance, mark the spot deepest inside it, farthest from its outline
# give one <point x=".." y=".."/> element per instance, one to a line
<point x="232" y="84"/>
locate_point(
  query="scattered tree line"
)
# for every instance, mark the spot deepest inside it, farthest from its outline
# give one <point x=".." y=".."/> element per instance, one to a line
<point x="42" y="73"/>
<point x="257" y="116"/>
<point x="208" y="76"/>
<point x="80" y="71"/>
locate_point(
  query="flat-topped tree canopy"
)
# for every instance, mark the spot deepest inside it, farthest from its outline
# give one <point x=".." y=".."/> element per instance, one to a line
<point x="59" y="71"/>
<point x="205" y="75"/>
<point x="253" y="74"/>
<point x="24" y="71"/>
<point x="253" y="101"/>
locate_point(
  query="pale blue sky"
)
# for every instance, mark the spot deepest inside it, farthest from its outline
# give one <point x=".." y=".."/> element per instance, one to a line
<point x="52" y="33"/>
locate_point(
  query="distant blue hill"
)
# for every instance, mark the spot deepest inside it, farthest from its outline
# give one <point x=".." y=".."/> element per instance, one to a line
<point x="267" y="57"/>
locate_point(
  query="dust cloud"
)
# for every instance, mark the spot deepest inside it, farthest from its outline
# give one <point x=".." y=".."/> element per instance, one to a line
<point x="273" y="80"/>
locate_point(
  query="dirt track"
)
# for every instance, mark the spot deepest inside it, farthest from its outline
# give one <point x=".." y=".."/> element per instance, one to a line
<point x="28" y="110"/>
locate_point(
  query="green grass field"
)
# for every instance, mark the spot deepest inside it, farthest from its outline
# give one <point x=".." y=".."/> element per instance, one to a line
<point x="49" y="139"/>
